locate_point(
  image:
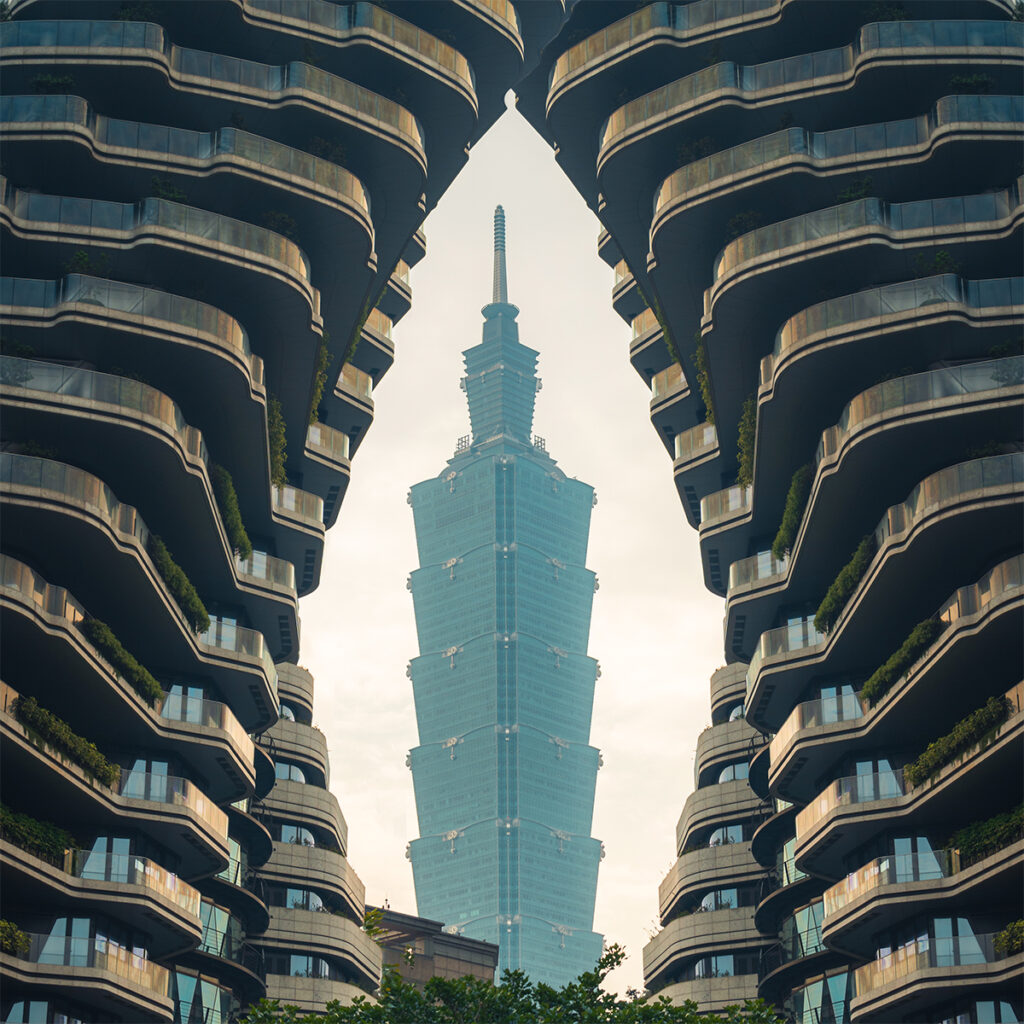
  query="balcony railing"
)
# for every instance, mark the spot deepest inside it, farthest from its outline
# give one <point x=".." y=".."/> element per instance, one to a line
<point x="101" y="954"/>
<point x="695" y="442"/>
<point x="334" y="444"/>
<point x="379" y="323"/>
<point x="847" y="791"/>
<point x="644" y="323"/>
<point x="291" y="501"/>
<point x="1004" y="578"/>
<point x="226" y="635"/>
<point x="56" y="601"/>
<point x="813" y="714"/>
<point x="355" y="381"/>
<point x="163" y="142"/>
<point x="756" y="569"/>
<point x="926" y="953"/>
<point x="893" y="869"/>
<point x="130" y="869"/>
<point x="724" y="503"/>
<point x="401" y="272"/>
<point x="622" y="273"/>
<point x="210" y="714"/>
<point x="213" y="67"/>
<point x="799" y="635"/>
<point x="862" y="141"/>
<point x="903" y="297"/>
<point x="171" y="789"/>
<point x="266" y="569"/>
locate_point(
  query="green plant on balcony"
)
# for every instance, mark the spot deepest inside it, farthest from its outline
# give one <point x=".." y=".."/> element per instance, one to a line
<point x="282" y="223"/>
<point x="883" y="678"/>
<point x="52" y="85"/>
<point x="859" y="188"/>
<point x="13" y="940"/>
<point x="886" y="12"/>
<point x="138" y="677"/>
<point x="277" y="441"/>
<point x="844" y="584"/>
<point x="940" y="262"/>
<point x="1010" y="940"/>
<point x="43" y="839"/>
<point x="82" y="262"/>
<point x="742" y="222"/>
<point x="164" y="188"/>
<point x="976" y="728"/>
<point x="793" y="513"/>
<point x="179" y="585"/>
<point x="745" y="442"/>
<point x="323" y="363"/>
<point x="327" y="149"/>
<point x="981" y="838"/>
<point x="46" y="726"/>
<point x="141" y="11"/>
<point x="700" y="360"/>
<point x="230" y="513"/>
<point x="972" y="85"/>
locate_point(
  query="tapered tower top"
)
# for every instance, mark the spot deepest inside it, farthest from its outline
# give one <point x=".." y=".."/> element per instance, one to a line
<point x="501" y="381"/>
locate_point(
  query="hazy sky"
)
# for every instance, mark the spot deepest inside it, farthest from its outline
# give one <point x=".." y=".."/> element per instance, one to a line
<point x="656" y="632"/>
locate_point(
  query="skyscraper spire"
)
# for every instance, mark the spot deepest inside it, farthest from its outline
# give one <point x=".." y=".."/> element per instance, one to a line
<point x="500" y="289"/>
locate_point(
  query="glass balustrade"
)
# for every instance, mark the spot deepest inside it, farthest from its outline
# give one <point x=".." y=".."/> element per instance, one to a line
<point x="756" y="569"/>
<point x="92" y="386"/>
<point x="379" y="323"/>
<point x="812" y="714"/>
<point x="861" y="141"/>
<point x="224" y="70"/>
<point x="226" y="635"/>
<point x="844" y="792"/>
<point x="325" y="440"/>
<point x="645" y="322"/>
<point x="696" y="442"/>
<point x="147" y="304"/>
<point x="892" y="869"/>
<point x="503" y="10"/>
<point x="293" y="502"/>
<point x="1004" y="578"/>
<point x="166" y="142"/>
<point x="355" y="381"/>
<point x="668" y="382"/>
<point x="266" y="569"/>
<point x="210" y="714"/>
<point x="828" y="224"/>
<point x="905" y="296"/>
<point x="796" y="636"/>
<point x="668" y="100"/>
<point x="923" y="954"/>
<point x="155" y="787"/>
<point x="724" y="503"/>
<point x="401" y="273"/>
<point x="56" y="601"/>
<point x="930" y="386"/>
<point x="130" y="869"/>
<point x="99" y="953"/>
<point x="622" y="273"/>
<point x="201" y="226"/>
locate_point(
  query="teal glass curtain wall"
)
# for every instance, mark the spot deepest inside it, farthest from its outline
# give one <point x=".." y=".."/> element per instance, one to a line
<point x="504" y="773"/>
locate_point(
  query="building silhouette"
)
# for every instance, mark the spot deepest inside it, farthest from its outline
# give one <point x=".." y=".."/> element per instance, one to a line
<point x="504" y="772"/>
<point x="814" y="214"/>
<point x="208" y="212"/>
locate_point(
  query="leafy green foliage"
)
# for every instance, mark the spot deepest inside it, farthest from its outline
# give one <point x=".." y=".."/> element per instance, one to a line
<point x="52" y="85"/>
<point x="1010" y="940"/>
<point x="323" y="362"/>
<point x="516" y="1001"/>
<point x="745" y="442"/>
<point x="859" y="188"/>
<point x="230" y="513"/>
<point x="82" y="262"/>
<point x="940" y="262"/>
<point x="972" y="85"/>
<point x="844" y="584"/>
<point x="55" y="731"/>
<point x="883" y="678"/>
<point x="742" y="222"/>
<point x="700" y="360"/>
<point x="179" y="585"/>
<point x="13" y="940"/>
<point x="964" y="735"/>
<point x="885" y="12"/>
<point x="277" y="441"/>
<point x="164" y="188"/>
<point x="281" y="223"/>
<point x="140" y="11"/>
<point x="41" y="838"/>
<point x="977" y="840"/>
<point x="138" y="677"/>
<point x="793" y="513"/>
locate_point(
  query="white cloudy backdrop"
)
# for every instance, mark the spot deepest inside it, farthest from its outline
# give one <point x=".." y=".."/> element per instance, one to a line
<point x="655" y="630"/>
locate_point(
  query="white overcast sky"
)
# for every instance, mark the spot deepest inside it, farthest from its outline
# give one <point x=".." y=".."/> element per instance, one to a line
<point x="656" y="631"/>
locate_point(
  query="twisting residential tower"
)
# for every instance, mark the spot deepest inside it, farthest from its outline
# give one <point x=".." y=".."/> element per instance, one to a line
<point x="504" y="773"/>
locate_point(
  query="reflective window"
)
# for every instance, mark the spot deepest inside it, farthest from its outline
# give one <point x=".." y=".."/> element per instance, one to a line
<point x="298" y="835"/>
<point x="731" y="772"/>
<point x="737" y="711"/>
<point x="287" y="713"/>
<point x="289" y="772"/>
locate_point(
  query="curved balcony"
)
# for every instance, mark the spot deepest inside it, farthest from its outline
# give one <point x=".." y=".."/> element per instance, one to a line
<point x="324" y="934"/>
<point x="311" y="994"/>
<point x="706" y="868"/>
<point x="913" y="541"/>
<point x="296" y="685"/>
<point x="110" y="977"/>
<point x="799" y="954"/>
<point x="721" y="744"/>
<point x="728" y="685"/>
<point x="248" y="818"/>
<point x="375" y="350"/>
<point x="784" y="888"/>
<point x="291" y="863"/>
<point x="774" y="819"/>
<point x="888" y="890"/>
<point x="296" y="741"/>
<point x="713" y="995"/>
<point x="41" y="624"/>
<point x="309" y="805"/>
<point x="651" y="358"/>
<point x="225" y="953"/>
<point x="722" y="803"/>
<point x="627" y="299"/>
<point x="134" y="890"/>
<point x="162" y="447"/>
<point x="979" y="620"/>
<point x="851" y="809"/>
<point x="353" y="392"/>
<point x="703" y="934"/>
<point x="914" y="975"/>
<point x="327" y="467"/>
<point x="98" y="530"/>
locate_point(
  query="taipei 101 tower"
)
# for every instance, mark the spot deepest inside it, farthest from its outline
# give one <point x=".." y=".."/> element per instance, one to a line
<point x="504" y="772"/>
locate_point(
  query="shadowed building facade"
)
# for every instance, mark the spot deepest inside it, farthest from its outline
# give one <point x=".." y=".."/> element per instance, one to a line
<point x="504" y="773"/>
